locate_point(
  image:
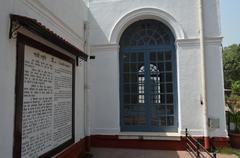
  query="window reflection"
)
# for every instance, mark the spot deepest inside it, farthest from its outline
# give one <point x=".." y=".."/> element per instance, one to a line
<point x="154" y="84"/>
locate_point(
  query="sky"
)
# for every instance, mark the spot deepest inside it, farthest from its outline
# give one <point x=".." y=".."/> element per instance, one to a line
<point x="230" y="21"/>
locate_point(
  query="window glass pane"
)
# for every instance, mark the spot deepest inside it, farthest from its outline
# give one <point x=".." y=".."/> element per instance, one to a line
<point x="170" y="110"/>
<point x="135" y="120"/>
<point x="161" y="109"/>
<point x="134" y="67"/>
<point x="168" y="56"/>
<point x="160" y="41"/>
<point x="170" y="120"/>
<point x="169" y="87"/>
<point x="153" y="56"/>
<point x="162" y="98"/>
<point x="152" y="43"/>
<point x="160" y="57"/>
<point x="168" y="66"/>
<point x="155" y="121"/>
<point x="169" y="98"/>
<point x="161" y="67"/>
<point x="155" y="98"/>
<point x="163" y="121"/>
<point x="141" y="98"/>
<point x="140" y="57"/>
<point x="127" y="88"/>
<point x="140" y="42"/>
<point x="134" y="108"/>
<point x="155" y="89"/>
<point x="134" y="88"/>
<point x="126" y="57"/>
<point x="140" y="120"/>
<point x="162" y="87"/>
<point x="126" y="67"/>
<point x="133" y="57"/>
<point x="134" y="99"/>
<point x="126" y="99"/>
<point x="134" y="77"/>
<point x="126" y="78"/>
<point x="161" y="77"/>
<point x="169" y="77"/>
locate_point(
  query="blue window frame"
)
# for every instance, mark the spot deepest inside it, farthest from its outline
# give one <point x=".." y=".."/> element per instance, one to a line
<point x="148" y="78"/>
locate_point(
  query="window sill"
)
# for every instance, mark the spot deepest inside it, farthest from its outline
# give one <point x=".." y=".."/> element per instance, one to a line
<point x="150" y="135"/>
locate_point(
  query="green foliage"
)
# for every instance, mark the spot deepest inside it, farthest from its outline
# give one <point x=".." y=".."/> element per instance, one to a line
<point x="231" y="64"/>
<point x="236" y="87"/>
<point x="233" y="103"/>
<point x="229" y="151"/>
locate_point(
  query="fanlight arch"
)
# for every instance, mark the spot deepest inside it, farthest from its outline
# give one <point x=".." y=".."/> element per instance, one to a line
<point x="153" y="33"/>
<point x="145" y="13"/>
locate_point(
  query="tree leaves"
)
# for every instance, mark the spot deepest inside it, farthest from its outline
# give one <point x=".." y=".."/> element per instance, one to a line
<point x="231" y="64"/>
<point x="233" y="103"/>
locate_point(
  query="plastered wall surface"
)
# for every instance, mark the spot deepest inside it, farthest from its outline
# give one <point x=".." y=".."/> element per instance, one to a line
<point x="64" y="18"/>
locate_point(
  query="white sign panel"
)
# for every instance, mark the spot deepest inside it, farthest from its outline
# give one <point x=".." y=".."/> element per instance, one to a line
<point x="47" y="103"/>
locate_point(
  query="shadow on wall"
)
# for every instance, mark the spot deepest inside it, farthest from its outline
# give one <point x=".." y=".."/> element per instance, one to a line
<point x="96" y="34"/>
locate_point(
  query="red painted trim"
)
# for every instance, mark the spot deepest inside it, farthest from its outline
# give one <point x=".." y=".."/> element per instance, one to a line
<point x="114" y="142"/>
<point x="75" y="150"/>
<point x="105" y="141"/>
<point x="220" y="142"/>
<point x="206" y="143"/>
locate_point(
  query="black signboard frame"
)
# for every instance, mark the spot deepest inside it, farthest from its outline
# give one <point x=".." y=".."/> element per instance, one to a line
<point x="23" y="40"/>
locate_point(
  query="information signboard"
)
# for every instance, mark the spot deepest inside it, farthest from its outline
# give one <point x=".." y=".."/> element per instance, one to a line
<point x="44" y="122"/>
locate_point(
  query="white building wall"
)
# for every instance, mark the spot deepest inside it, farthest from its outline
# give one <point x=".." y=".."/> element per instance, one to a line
<point x="183" y="18"/>
<point x="189" y="88"/>
<point x="104" y="90"/>
<point x="212" y="22"/>
<point x="215" y="88"/>
<point x="7" y="81"/>
<point x="64" y="17"/>
<point x="214" y="66"/>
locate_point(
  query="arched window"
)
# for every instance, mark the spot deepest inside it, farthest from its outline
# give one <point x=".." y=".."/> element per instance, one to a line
<point x="148" y="78"/>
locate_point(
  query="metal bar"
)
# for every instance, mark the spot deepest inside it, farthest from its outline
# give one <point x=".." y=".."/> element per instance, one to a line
<point x="188" y="145"/>
<point x="201" y="153"/>
<point x="198" y="147"/>
<point x="192" y="143"/>
<point x="192" y="151"/>
<point x="203" y="149"/>
<point x="206" y="151"/>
